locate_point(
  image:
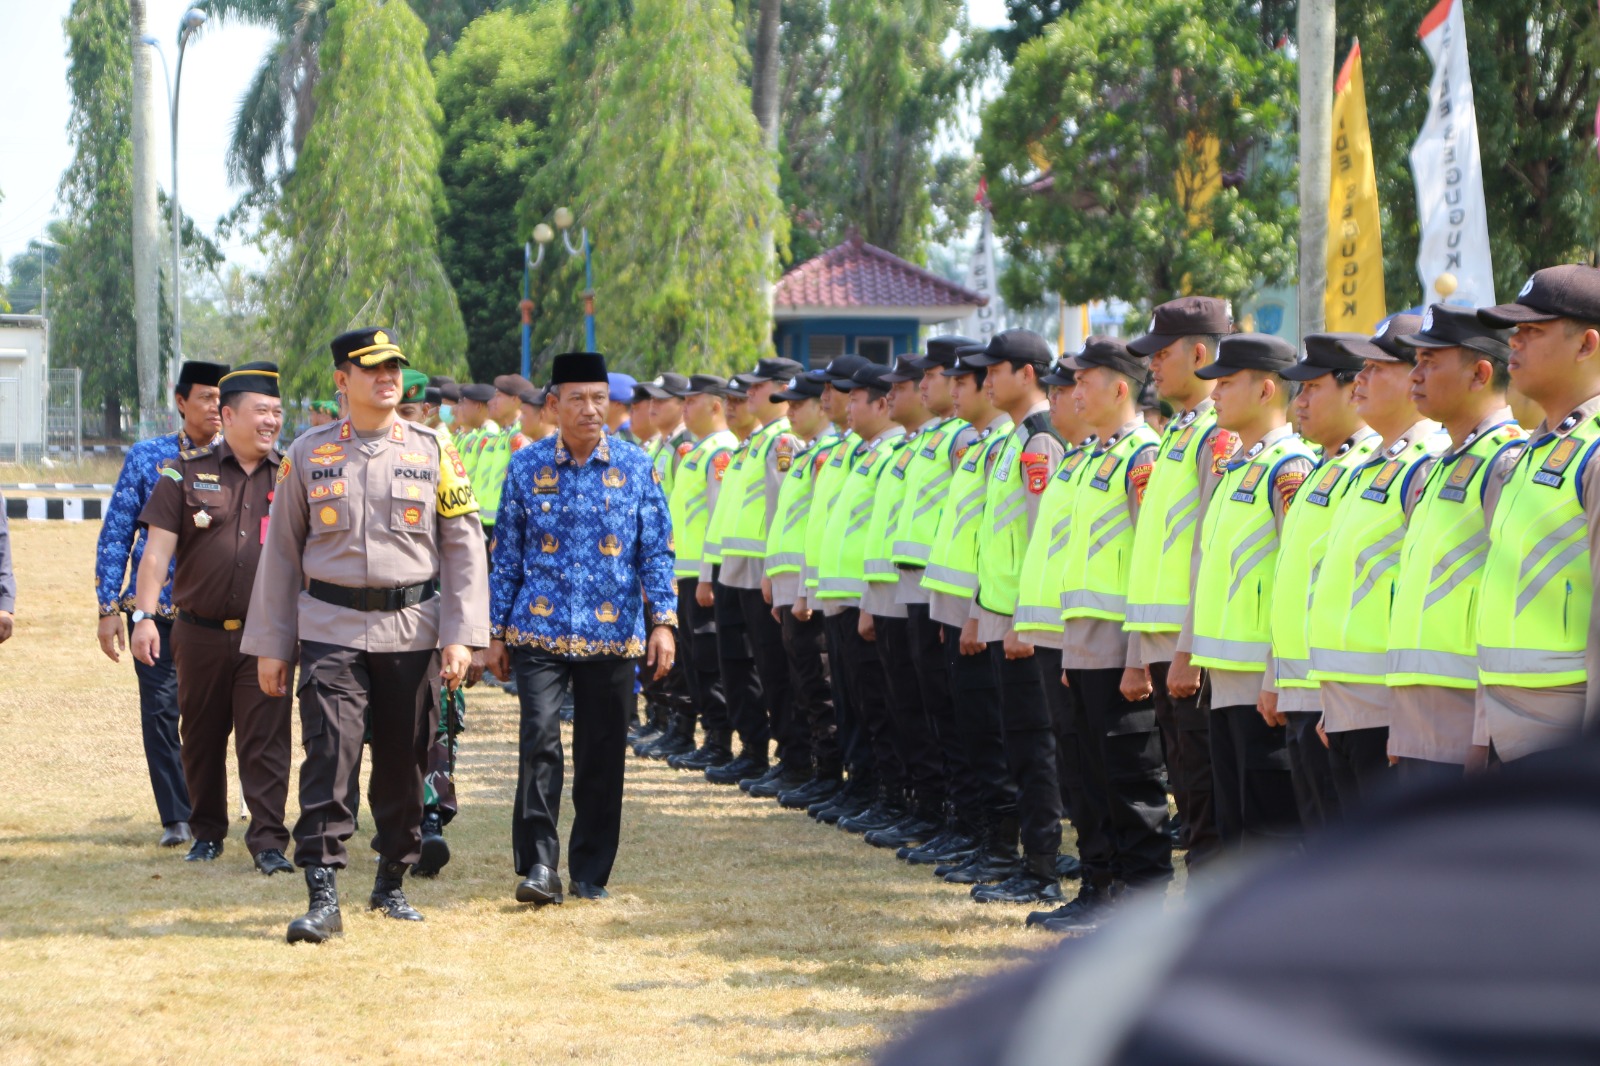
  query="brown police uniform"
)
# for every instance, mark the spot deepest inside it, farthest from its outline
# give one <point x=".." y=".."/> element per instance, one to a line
<point x="373" y="562"/>
<point x="219" y="514"/>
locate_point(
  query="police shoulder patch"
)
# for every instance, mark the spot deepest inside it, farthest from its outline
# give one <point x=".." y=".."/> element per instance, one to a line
<point x="1288" y="483"/>
<point x="719" y="464"/>
<point x="1139" y="479"/>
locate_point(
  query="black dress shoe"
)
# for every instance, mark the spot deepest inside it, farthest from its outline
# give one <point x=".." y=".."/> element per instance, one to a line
<point x="389" y="896"/>
<point x="175" y="834"/>
<point x="541" y="886"/>
<point x="321" y="919"/>
<point x="435" y="852"/>
<point x="815" y="790"/>
<point x="664" y="747"/>
<point x="776" y="784"/>
<point x="203" y="851"/>
<point x="271" y="861"/>
<point x="732" y="772"/>
<point x="586" y="890"/>
<point x="912" y="829"/>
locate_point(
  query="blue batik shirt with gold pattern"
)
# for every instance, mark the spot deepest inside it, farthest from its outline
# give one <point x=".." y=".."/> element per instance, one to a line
<point x="121" y="543"/>
<point x="579" y="549"/>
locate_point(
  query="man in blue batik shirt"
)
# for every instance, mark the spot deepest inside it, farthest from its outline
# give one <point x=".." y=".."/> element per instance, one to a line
<point x="583" y="550"/>
<point x="117" y="559"/>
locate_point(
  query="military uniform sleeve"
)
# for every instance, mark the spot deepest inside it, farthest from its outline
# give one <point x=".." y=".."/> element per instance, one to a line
<point x="655" y="561"/>
<point x="117" y="533"/>
<point x="463" y="571"/>
<point x="510" y="532"/>
<point x="273" y="627"/>
<point x="164" y="509"/>
<point x="1041" y="458"/>
<point x="8" y="578"/>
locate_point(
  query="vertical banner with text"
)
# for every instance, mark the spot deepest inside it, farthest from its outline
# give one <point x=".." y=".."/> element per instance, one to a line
<point x="1355" y="301"/>
<point x="1453" y="260"/>
<point x="986" y="320"/>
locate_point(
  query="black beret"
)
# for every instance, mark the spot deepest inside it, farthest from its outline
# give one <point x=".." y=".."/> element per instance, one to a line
<point x="477" y="393"/>
<point x="450" y="392"/>
<point x="512" y="384"/>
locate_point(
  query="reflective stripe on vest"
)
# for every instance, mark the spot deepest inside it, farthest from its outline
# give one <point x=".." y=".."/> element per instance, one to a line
<point x="1238" y="565"/>
<point x="1003" y="536"/>
<point x="1305" y="534"/>
<point x="841" y="574"/>
<point x="953" y="563"/>
<point x="1349" y="621"/>
<point x="786" y="540"/>
<point x="927" y="479"/>
<point x="1043" y="567"/>
<point x="687" y="504"/>
<point x="745" y="532"/>
<point x="1158" y="587"/>
<point x="1533" y="613"/>
<point x="488" y="477"/>
<point x="825" y="490"/>
<point x="1433" y="634"/>
<point x="1099" y="554"/>
<point x="887" y="502"/>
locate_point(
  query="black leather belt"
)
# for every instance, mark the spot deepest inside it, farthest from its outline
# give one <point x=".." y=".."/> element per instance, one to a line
<point x="230" y="624"/>
<point x="373" y="599"/>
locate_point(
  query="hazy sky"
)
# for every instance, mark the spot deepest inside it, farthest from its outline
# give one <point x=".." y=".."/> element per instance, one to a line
<point x="218" y="65"/>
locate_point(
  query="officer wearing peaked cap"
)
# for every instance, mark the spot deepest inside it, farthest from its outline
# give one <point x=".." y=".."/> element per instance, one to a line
<point x="374" y="569"/>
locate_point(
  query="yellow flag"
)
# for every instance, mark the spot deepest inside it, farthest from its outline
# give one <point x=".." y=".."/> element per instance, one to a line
<point x="1354" y="301"/>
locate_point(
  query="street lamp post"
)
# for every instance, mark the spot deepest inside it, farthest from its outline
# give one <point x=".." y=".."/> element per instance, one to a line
<point x="192" y="20"/>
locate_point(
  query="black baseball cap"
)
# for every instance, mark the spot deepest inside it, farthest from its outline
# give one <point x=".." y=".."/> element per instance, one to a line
<point x="941" y="351"/>
<point x="905" y="369"/>
<point x="1187" y="316"/>
<point x="1113" y="354"/>
<point x="1571" y="291"/>
<point x="1061" y="374"/>
<point x="1384" y="346"/>
<point x="1249" y="351"/>
<point x="665" y="387"/>
<point x="772" y="370"/>
<point x="1451" y="327"/>
<point x="1011" y="346"/>
<point x="706" y="384"/>
<point x="1324" y="356"/>
<point x="842" y="367"/>
<point x="872" y="376"/>
<point x="800" y="387"/>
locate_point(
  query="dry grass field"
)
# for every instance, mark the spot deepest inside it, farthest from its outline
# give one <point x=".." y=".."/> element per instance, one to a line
<point x="737" y="932"/>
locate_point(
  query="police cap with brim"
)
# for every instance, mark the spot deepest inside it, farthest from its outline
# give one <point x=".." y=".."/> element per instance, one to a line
<point x="872" y="376"/>
<point x="197" y="372"/>
<point x="800" y="387"/>
<point x="1249" y="351"/>
<point x="259" y="377"/>
<point x="1111" y="353"/>
<point x="366" y="348"/>
<point x="1015" y="346"/>
<point x="477" y="393"/>
<point x="1187" y="316"/>
<point x="413" y="385"/>
<point x="1570" y="291"/>
<point x="1384" y="346"/>
<point x="738" y="388"/>
<point x="773" y="369"/>
<point x="1324" y="356"/>
<point x="905" y="369"/>
<point x="1459" y="327"/>
<point x="666" y="387"/>
<point x="942" y="351"/>
<point x="843" y="367"/>
<point x="706" y="385"/>
<point x="964" y="364"/>
<point x="1061" y="374"/>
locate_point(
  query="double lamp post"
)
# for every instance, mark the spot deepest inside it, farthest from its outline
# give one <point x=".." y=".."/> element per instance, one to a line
<point x="543" y="235"/>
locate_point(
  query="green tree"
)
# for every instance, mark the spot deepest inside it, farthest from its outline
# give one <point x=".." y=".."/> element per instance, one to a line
<point x="678" y="192"/>
<point x="92" y="294"/>
<point x="22" y="270"/>
<point x="496" y="89"/>
<point x="1535" y="89"/>
<point x="358" y="244"/>
<point x="1099" y="118"/>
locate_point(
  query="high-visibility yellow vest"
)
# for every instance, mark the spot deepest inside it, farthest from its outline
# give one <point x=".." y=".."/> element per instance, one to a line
<point x="1003" y="531"/>
<point x="786" y="540"/>
<point x="1349" y="620"/>
<point x="1239" y="562"/>
<point x="488" y="474"/>
<point x="1533" y="617"/>
<point x="1099" y="555"/>
<point x="668" y="450"/>
<point x="828" y="481"/>
<point x="688" y="503"/>
<point x="723" y="509"/>
<point x="888" y="502"/>
<point x="1158" y="586"/>
<point x="745" y="530"/>
<point x="1043" y="567"/>
<point x="953" y="564"/>
<point x="1433" y="624"/>
<point x="841" y="573"/>
<point x="466" y="447"/>
<point x="926" y="480"/>
<point x="1304" y="542"/>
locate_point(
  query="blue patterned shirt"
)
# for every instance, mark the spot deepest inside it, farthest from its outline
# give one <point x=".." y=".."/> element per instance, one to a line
<point x="578" y="550"/>
<point x="121" y="537"/>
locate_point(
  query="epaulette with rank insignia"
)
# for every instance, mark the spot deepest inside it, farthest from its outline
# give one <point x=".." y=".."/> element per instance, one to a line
<point x="196" y="453"/>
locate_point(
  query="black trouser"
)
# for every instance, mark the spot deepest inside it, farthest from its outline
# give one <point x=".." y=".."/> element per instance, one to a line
<point x="772" y="665"/>
<point x="158" y="722"/>
<point x="810" y="742"/>
<point x="1124" y="803"/>
<point x="1030" y="740"/>
<point x="737" y="662"/>
<point x="342" y="692"/>
<point x="978" y="731"/>
<point x="701" y="672"/>
<point x="1314" y="793"/>
<point x="926" y="752"/>
<point x="915" y="747"/>
<point x="667" y="700"/>
<point x="1187" y="746"/>
<point x="869" y="704"/>
<point x="1063" y="723"/>
<point x="1425" y="773"/>
<point x="603" y="695"/>
<point x="1254" y="790"/>
<point x="1359" y="760"/>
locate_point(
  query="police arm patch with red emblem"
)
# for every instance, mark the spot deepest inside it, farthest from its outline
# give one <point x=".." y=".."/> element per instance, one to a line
<point x="1288" y="483"/>
<point x="1223" y="443"/>
<point x="1139" y="479"/>
<point x="1037" y="467"/>
<point x="719" y="465"/>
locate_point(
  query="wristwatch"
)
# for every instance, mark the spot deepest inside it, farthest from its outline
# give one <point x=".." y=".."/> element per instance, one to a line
<point x="140" y="616"/>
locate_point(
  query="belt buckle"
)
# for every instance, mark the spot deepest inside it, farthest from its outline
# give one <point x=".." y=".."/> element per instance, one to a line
<point x="230" y="624"/>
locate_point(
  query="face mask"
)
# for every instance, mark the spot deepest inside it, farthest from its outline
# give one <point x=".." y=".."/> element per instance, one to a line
<point x="447" y="415"/>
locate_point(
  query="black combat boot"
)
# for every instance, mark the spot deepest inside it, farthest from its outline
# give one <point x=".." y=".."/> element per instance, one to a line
<point x="1036" y="883"/>
<point x="435" y="852"/>
<point x="1083" y="914"/>
<point x="388" y="896"/>
<point x="321" y="919"/>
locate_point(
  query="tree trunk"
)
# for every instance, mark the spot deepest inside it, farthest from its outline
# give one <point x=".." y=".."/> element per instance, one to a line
<point x="1316" y="31"/>
<point x="764" y="101"/>
<point x="146" y="230"/>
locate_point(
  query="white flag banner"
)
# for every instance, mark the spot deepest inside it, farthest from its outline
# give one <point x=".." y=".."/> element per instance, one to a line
<point x="987" y="320"/>
<point x="1453" y="261"/>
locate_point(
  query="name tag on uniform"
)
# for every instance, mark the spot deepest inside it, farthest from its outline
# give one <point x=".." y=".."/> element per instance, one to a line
<point x="205" y="486"/>
<point x="1322" y="492"/>
<point x="1455" y="490"/>
<point x="1553" y="472"/>
<point x="1378" y="491"/>
<point x="931" y="449"/>
<point x="1246" y="492"/>
<point x="1102" y="476"/>
<point x="1181" y="444"/>
<point x="899" y="469"/>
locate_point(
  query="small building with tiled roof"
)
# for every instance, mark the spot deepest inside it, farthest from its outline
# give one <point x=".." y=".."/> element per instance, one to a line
<point x="858" y="298"/>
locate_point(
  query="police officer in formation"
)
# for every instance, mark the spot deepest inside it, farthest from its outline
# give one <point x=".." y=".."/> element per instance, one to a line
<point x="957" y="605"/>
